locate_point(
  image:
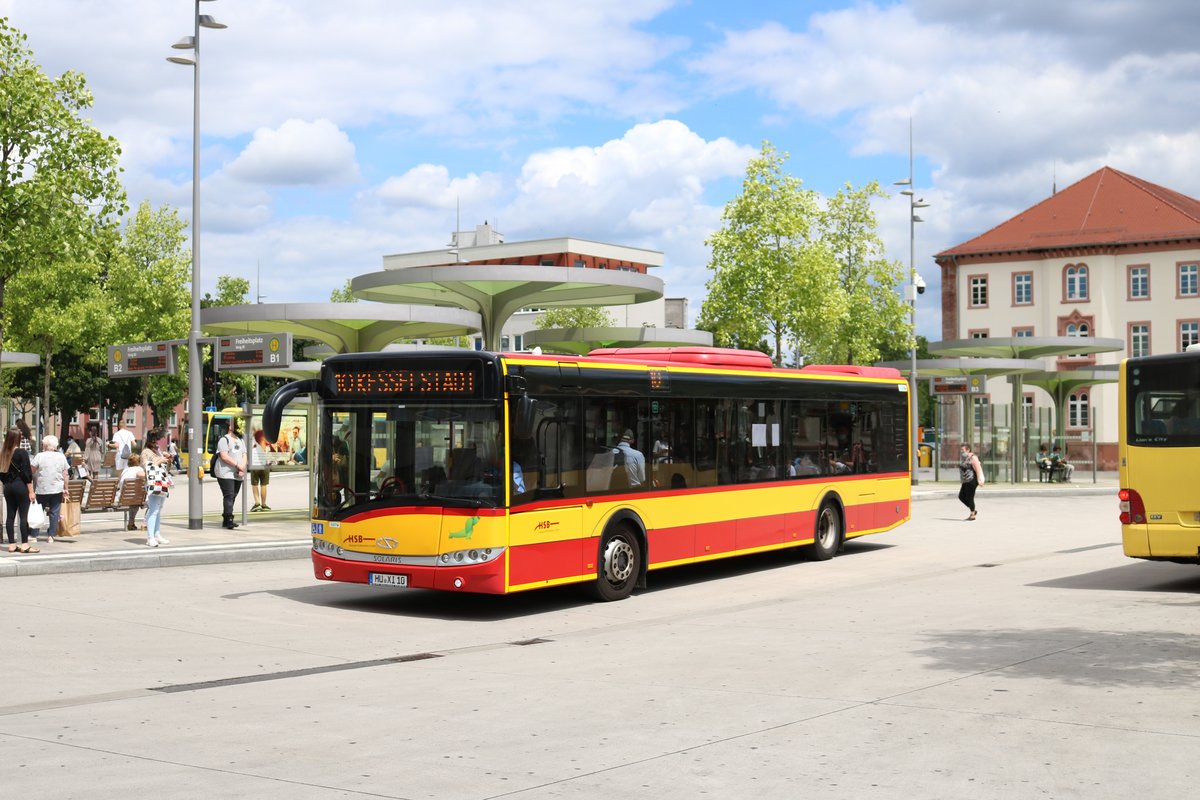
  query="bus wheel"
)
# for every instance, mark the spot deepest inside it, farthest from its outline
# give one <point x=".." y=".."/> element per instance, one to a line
<point x="620" y="564"/>
<point x="828" y="534"/>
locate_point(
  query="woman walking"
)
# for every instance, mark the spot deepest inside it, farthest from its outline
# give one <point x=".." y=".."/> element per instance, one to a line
<point x="50" y="482"/>
<point x="971" y="473"/>
<point x="156" y="462"/>
<point x="17" y="477"/>
<point x="93" y="454"/>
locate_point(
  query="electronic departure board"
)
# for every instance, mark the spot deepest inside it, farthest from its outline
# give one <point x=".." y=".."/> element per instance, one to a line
<point x="135" y="360"/>
<point x="254" y="351"/>
<point x="367" y="380"/>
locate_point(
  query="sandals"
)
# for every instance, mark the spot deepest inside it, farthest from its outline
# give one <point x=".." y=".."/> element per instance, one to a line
<point x="28" y="549"/>
<point x="12" y="548"/>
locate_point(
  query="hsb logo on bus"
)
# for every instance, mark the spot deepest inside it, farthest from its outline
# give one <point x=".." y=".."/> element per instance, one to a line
<point x="545" y="525"/>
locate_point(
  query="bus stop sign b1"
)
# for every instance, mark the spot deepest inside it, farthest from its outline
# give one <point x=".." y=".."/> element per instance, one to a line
<point x="254" y="351"/>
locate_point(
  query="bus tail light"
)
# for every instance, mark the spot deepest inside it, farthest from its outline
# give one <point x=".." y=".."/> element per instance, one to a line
<point x="1133" y="510"/>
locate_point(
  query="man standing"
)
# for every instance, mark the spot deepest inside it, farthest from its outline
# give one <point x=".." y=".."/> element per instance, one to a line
<point x="635" y="462"/>
<point x="122" y="442"/>
<point x="229" y="471"/>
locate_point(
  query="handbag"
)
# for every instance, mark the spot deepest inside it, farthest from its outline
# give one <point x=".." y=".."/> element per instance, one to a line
<point x="36" y="516"/>
<point x="69" y="519"/>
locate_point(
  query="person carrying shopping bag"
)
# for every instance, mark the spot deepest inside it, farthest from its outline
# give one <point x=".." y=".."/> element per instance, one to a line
<point x="50" y="470"/>
<point x="157" y="463"/>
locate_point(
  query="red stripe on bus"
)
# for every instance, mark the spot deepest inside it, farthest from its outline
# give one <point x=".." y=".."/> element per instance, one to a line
<point x="534" y="563"/>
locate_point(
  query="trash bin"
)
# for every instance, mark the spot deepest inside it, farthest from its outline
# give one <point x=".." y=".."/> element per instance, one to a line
<point x="925" y="456"/>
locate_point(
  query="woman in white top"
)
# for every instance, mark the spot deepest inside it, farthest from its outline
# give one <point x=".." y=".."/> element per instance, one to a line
<point x="131" y="473"/>
<point x="50" y="482"/>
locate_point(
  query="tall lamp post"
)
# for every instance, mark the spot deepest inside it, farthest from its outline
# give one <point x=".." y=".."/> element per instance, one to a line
<point x="916" y="285"/>
<point x="195" y="413"/>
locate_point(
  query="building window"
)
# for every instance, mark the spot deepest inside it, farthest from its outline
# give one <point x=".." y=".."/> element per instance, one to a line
<point x="1139" y="339"/>
<point x="1022" y="333"/>
<point x="1077" y="410"/>
<point x="519" y="341"/>
<point x="504" y="343"/>
<point x="1076" y="277"/>
<point x="982" y="333"/>
<point x="982" y="417"/>
<point x="1189" y="333"/>
<point x="979" y="291"/>
<point x="1188" y="286"/>
<point x="1023" y="289"/>
<point x="1139" y="283"/>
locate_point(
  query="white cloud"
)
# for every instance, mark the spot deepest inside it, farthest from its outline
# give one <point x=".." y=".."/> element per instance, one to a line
<point x="298" y="152"/>
<point x="430" y="186"/>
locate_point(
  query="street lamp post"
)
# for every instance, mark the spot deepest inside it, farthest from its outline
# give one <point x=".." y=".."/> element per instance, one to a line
<point x="916" y="285"/>
<point x="195" y="412"/>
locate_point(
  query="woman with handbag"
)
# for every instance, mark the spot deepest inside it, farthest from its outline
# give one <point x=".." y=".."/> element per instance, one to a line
<point x="156" y="462"/>
<point x="50" y="482"/>
<point x="17" y="478"/>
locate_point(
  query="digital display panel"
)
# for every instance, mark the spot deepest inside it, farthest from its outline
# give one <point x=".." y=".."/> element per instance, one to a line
<point x="366" y="381"/>
<point x="141" y="364"/>
<point x="136" y="360"/>
<point x="232" y="358"/>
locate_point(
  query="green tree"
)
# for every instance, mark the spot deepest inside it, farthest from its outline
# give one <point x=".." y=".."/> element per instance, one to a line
<point x="575" y="317"/>
<point x="342" y="295"/>
<point x="769" y="279"/>
<point x="874" y="315"/>
<point x="149" y="298"/>
<point x="59" y="177"/>
<point x="230" y="388"/>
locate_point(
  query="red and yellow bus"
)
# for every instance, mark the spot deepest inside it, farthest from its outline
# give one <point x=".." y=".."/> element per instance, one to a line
<point x="1159" y="453"/>
<point x="497" y="473"/>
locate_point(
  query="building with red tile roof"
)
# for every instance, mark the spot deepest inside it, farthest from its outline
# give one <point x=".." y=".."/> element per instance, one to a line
<point x="1111" y="256"/>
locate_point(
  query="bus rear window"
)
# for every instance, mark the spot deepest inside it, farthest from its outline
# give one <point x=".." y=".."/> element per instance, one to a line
<point x="1164" y="403"/>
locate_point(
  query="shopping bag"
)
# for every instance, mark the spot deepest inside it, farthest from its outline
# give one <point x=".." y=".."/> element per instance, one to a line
<point x="37" y="517"/>
<point x="69" y="519"/>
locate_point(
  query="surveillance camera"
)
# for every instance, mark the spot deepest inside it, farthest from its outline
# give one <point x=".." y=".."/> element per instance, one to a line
<point x="920" y="284"/>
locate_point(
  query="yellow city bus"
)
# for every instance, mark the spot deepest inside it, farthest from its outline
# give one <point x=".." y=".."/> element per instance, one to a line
<point x="1159" y="440"/>
<point x="497" y="473"/>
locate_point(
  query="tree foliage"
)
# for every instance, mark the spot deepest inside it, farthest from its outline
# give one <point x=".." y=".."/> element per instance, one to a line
<point x="343" y="294"/>
<point x="59" y="177"/>
<point x="792" y="273"/>
<point x="575" y="317"/>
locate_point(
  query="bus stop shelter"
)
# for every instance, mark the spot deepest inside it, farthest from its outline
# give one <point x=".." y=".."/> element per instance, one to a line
<point x="497" y="291"/>
<point x="1026" y="347"/>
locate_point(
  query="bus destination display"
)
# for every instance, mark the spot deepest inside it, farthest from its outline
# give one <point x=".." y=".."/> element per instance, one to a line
<point x="398" y="382"/>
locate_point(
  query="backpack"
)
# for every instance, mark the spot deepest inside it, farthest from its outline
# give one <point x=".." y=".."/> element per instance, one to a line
<point x="212" y="464"/>
<point x="124" y="453"/>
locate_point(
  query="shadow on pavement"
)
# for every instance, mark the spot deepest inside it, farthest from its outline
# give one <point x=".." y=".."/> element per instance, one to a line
<point x="1072" y="656"/>
<point x="1140" y="576"/>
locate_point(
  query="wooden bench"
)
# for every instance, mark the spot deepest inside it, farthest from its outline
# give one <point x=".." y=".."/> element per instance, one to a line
<point x="103" y="495"/>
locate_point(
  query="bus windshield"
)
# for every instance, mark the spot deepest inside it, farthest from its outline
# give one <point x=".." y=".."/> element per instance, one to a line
<point x="410" y="453"/>
<point x="1164" y="403"/>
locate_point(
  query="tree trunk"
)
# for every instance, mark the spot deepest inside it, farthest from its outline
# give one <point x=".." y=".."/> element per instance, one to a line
<point x="49" y="357"/>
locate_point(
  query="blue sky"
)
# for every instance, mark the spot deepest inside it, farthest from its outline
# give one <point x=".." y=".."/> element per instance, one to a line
<point x="335" y="134"/>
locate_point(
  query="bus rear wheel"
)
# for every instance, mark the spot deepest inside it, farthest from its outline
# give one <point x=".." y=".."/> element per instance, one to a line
<point x="827" y="536"/>
<point x="619" y="564"/>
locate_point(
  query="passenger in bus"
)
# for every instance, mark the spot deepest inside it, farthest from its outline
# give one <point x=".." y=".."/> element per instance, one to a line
<point x="635" y="462"/>
<point x="1181" y="420"/>
<point x="662" y="450"/>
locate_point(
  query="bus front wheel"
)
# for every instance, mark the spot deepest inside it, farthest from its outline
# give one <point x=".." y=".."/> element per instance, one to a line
<point x="827" y="536"/>
<point x="619" y="565"/>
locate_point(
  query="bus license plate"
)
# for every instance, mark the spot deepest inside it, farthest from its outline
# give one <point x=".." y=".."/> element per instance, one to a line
<point x="377" y="579"/>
